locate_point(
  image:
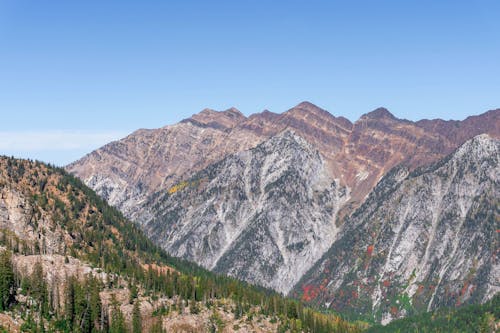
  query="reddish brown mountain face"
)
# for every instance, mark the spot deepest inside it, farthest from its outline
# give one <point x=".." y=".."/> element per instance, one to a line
<point x="359" y="154"/>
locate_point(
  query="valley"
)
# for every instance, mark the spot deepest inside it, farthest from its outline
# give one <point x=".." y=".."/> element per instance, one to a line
<point x="265" y="198"/>
<point x="376" y="220"/>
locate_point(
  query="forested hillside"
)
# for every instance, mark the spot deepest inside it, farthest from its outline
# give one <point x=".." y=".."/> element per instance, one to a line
<point x="71" y="263"/>
<point x="473" y="318"/>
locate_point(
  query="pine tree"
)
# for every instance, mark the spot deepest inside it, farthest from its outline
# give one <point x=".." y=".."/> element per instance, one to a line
<point x="70" y="301"/>
<point x="117" y="319"/>
<point x="95" y="304"/>
<point x="38" y="288"/>
<point x="7" y="281"/>
<point x="136" y="318"/>
<point x="133" y="292"/>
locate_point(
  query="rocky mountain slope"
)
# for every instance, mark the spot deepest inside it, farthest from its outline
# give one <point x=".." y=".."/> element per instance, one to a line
<point x="71" y="263"/>
<point x="422" y="240"/>
<point x="262" y="215"/>
<point x="261" y="198"/>
<point x="127" y="171"/>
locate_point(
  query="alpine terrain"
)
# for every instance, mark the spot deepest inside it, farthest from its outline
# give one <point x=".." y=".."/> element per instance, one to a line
<point x="262" y="215"/>
<point x="382" y="217"/>
<point x="422" y="240"/>
<point x="71" y="263"/>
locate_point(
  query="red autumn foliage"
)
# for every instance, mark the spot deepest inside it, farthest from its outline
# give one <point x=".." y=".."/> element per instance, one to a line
<point x="420" y="289"/>
<point x="310" y="292"/>
<point x="464" y="289"/>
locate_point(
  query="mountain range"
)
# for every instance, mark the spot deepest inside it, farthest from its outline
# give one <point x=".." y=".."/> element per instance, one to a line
<point x="127" y="171"/>
<point x="384" y="216"/>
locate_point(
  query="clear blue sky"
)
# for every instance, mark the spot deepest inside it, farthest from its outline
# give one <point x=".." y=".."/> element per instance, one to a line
<point x="76" y="74"/>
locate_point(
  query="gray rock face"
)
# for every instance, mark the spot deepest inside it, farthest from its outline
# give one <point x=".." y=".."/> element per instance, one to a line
<point x="127" y="171"/>
<point x="420" y="241"/>
<point x="18" y="216"/>
<point x="264" y="215"/>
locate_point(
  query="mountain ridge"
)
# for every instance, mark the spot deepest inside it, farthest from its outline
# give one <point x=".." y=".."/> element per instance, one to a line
<point x="126" y="171"/>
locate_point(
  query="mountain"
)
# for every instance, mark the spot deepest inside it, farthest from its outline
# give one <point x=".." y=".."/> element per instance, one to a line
<point x="71" y="263"/>
<point x="126" y="172"/>
<point x="422" y="240"/>
<point x="262" y="215"/>
<point x="263" y="198"/>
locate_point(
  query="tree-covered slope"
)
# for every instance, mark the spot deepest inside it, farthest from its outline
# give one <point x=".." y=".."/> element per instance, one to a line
<point x="480" y="318"/>
<point x="72" y="263"/>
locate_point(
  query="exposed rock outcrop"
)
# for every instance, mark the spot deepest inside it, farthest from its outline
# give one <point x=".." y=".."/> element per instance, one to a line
<point x="263" y="215"/>
<point x="422" y="240"/>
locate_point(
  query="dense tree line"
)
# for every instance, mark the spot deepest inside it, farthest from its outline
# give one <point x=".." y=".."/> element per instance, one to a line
<point x="479" y="318"/>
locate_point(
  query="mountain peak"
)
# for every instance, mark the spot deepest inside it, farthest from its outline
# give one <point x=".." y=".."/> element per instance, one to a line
<point x="309" y="108"/>
<point x="209" y="111"/>
<point x="234" y="111"/>
<point x="218" y="119"/>
<point x="478" y="146"/>
<point x="306" y="105"/>
<point x="379" y="113"/>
